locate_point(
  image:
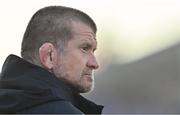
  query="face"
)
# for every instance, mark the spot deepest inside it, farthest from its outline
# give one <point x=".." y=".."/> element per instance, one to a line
<point x="76" y="64"/>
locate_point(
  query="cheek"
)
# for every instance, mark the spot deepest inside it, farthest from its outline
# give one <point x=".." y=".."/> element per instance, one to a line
<point x="74" y="65"/>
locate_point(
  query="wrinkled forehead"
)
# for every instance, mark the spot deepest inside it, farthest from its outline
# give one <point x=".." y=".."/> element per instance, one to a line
<point x="80" y="28"/>
<point x="87" y="34"/>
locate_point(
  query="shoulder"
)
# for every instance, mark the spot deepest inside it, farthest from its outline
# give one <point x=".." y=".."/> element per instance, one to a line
<point x="56" y="107"/>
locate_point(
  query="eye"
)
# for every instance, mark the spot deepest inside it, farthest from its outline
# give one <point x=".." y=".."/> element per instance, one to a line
<point x="94" y="49"/>
<point x="86" y="48"/>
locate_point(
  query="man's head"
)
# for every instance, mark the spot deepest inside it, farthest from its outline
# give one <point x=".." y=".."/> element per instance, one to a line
<point x="62" y="40"/>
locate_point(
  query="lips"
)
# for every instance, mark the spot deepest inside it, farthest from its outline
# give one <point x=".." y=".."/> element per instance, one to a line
<point x="87" y="73"/>
<point x="88" y="76"/>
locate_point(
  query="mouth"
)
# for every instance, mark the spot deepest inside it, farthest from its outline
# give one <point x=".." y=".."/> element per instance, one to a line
<point x="88" y="74"/>
<point x="88" y="77"/>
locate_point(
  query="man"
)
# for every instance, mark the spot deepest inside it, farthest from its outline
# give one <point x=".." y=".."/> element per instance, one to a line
<point x="56" y="66"/>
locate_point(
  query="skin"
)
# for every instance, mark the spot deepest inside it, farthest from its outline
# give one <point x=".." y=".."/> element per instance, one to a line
<point x="75" y="65"/>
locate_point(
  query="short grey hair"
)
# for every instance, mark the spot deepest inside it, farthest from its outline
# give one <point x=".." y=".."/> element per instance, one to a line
<point x="51" y="24"/>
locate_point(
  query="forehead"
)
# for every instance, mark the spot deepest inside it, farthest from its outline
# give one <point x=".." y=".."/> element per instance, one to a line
<point x="86" y="35"/>
<point x="82" y="29"/>
<point x="80" y="26"/>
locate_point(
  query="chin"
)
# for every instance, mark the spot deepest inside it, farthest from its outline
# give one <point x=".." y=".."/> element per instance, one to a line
<point x="86" y="89"/>
<point x="84" y="85"/>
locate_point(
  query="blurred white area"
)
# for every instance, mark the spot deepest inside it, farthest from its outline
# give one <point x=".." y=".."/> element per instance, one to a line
<point x="127" y="29"/>
<point x="141" y="27"/>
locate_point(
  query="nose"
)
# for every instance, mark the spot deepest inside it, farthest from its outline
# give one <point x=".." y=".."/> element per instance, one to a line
<point x="92" y="62"/>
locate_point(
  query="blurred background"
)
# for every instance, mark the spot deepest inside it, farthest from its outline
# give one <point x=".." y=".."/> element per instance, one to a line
<point x="138" y="50"/>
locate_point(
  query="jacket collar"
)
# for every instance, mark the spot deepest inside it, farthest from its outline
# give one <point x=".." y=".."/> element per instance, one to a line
<point x="16" y="71"/>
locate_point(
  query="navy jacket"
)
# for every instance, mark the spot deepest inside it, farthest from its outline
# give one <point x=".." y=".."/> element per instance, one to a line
<point x="27" y="88"/>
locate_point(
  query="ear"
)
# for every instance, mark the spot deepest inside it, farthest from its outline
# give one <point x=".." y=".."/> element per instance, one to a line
<point x="47" y="55"/>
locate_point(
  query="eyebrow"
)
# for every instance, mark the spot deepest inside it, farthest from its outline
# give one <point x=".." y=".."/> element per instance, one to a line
<point x="85" y="42"/>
